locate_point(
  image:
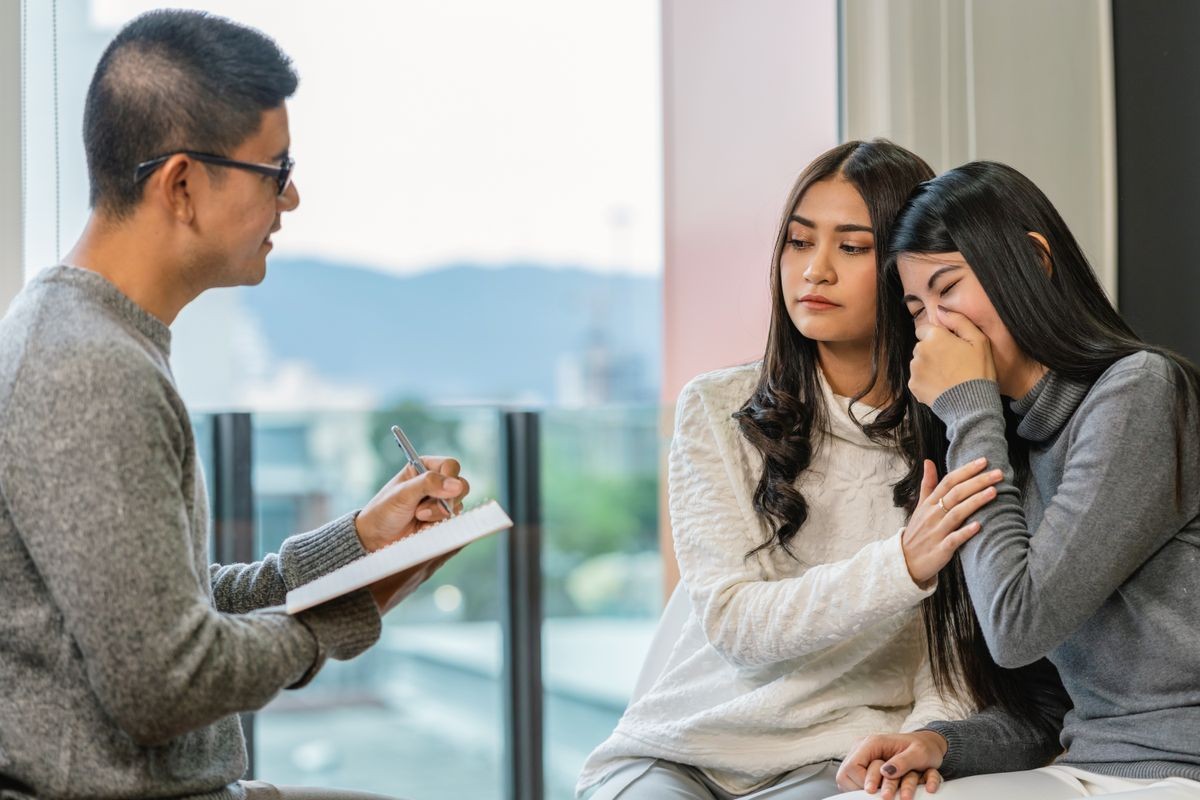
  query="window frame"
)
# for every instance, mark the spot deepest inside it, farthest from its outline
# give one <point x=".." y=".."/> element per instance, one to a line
<point x="12" y="245"/>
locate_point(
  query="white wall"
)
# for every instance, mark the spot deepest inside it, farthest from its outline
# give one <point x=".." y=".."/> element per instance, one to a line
<point x="1026" y="82"/>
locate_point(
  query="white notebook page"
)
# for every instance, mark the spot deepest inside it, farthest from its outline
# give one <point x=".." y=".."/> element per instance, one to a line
<point x="408" y="552"/>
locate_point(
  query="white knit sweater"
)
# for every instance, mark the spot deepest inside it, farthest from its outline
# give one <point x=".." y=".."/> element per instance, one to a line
<point x="782" y="662"/>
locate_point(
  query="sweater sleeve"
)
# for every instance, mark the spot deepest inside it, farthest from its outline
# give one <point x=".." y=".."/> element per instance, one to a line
<point x="995" y="740"/>
<point x="94" y="453"/>
<point x="749" y="620"/>
<point x="1114" y="508"/>
<point x="239" y="588"/>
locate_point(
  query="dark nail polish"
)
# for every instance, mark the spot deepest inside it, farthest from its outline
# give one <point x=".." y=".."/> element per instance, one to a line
<point x="888" y="769"/>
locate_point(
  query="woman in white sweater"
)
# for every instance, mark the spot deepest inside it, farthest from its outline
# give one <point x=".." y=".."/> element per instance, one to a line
<point x="802" y="576"/>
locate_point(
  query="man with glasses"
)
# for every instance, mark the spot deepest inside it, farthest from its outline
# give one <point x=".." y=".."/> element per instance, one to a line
<point x="124" y="656"/>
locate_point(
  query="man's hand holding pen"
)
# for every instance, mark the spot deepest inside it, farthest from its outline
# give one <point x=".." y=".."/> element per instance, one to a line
<point x="406" y="504"/>
<point x="409" y="502"/>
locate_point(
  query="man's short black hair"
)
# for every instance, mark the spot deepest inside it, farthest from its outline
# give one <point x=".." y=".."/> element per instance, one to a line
<point x="174" y="80"/>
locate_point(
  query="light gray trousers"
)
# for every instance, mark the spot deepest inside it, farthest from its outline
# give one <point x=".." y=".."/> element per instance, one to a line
<point x="653" y="779"/>
<point x="259" y="790"/>
<point x="1053" y="783"/>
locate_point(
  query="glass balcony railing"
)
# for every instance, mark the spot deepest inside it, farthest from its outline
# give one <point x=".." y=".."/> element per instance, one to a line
<point x="422" y="715"/>
<point x="601" y="575"/>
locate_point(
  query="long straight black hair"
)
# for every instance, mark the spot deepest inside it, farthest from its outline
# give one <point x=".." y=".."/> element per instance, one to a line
<point x="786" y="408"/>
<point x="1058" y="315"/>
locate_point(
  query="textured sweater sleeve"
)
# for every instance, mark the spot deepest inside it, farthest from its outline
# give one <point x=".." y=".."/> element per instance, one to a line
<point x="238" y="588"/>
<point x="94" y="457"/>
<point x="995" y="740"/>
<point x="749" y="620"/>
<point x="1114" y="507"/>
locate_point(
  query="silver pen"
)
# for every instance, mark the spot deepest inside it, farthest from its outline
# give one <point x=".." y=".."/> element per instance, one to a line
<point x="410" y="453"/>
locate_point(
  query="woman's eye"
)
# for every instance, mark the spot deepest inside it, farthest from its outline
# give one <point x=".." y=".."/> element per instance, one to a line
<point x="798" y="244"/>
<point x="917" y="313"/>
<point x="854" y="250"/>
<point x="945" y="291"/>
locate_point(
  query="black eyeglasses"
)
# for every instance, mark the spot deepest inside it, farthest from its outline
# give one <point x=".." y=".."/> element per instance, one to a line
<point x="282" y="173"/>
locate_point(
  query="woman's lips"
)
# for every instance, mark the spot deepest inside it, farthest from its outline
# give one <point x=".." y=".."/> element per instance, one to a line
<point x="816" y="302"/>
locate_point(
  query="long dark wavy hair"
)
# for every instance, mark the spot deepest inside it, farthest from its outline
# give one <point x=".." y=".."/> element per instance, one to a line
<point x="1058" y="315"/>
<point x="786" y="408"/>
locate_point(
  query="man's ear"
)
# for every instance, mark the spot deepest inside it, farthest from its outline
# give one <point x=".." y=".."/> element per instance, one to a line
<point x="171" y="187"/>
<point x="1043" y="252"/>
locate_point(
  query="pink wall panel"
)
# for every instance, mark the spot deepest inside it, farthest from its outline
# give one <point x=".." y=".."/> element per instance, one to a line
<point x="749" y="98"/>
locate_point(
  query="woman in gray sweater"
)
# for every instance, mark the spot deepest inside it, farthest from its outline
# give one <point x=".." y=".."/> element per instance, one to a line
<point x="1088" y="563"/>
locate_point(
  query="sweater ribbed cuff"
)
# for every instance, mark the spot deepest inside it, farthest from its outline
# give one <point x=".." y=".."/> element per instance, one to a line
<point x="307" y="556"/>
<point x="951" y="761"/>
<point x="974" y="395"/>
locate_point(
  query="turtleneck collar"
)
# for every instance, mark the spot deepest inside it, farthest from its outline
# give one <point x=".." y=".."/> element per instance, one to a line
<point x="841" y="423"/>
<point x="100" y="288"/>
<point x="1047" y="407"/>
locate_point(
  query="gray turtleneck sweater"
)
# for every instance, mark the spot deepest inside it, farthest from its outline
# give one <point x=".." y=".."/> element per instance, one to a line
<point x="125" y="656"/>
<point x="1094" y="566"/>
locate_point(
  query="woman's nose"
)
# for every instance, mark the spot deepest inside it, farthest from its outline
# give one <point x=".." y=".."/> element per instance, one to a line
<point x="819" y="270"/>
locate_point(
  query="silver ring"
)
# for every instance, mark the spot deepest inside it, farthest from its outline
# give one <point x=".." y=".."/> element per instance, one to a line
<point x="942" y="505"/>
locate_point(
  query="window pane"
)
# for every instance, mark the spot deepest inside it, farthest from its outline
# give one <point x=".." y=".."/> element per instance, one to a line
<point x="420" y="714"/>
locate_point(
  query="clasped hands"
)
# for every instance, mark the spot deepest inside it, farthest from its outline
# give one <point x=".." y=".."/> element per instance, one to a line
<point x="894" y="764"/>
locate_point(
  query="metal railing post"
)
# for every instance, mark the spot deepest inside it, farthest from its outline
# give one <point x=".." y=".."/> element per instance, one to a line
<point x="233" y="512"/>
<point x="521" y="590"/>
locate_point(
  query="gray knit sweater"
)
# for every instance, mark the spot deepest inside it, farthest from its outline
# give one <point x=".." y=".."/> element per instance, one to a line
<point x="1094" y="566"/>
<point x="125" y="656"/>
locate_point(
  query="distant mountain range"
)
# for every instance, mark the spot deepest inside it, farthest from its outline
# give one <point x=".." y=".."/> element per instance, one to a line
<point x="463" y="332"/>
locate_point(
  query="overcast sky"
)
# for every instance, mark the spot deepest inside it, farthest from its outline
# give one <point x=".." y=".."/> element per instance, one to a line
<point x="430" y="131"/>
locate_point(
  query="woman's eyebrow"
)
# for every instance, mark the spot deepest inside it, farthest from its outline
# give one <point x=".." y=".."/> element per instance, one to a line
<point x="940" y="272"/>
<point x="937" y="274"/>
<point x="847" y="227"/>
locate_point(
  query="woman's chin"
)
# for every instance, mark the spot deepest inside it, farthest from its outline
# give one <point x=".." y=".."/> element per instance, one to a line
<point x="830" y="331"/>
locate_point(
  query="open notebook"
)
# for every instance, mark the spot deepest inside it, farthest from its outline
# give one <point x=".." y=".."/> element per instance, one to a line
<point x="408" y="552"/>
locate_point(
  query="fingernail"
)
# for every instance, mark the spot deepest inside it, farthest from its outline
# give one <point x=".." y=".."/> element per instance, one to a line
<point x="981" y="461"/>
<point x="888" y="769"/>
<point x="452" y="484"/>
<point x="997" y="473"/>
<point x="424" y="513"/>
